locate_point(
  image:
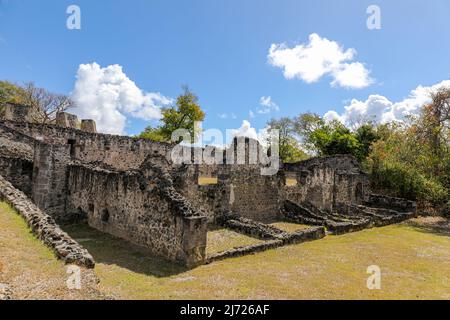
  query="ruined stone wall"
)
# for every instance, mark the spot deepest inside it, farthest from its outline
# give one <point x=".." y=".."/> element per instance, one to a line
<point x="381" y="201"/>
<point x="49" y="179"/>
<point x="16" y="112"/>
<point x="18" y="171"/>
<point x="16" y="159"/>
<point x="119" y="152"/>
<point x="15" y="143"/>
<point x="134" y="207"/>
<point x="240" y="189"/>
<point x="349" y="189"/>
<point x="327" y="183"/>
<point x="44" y="227"/>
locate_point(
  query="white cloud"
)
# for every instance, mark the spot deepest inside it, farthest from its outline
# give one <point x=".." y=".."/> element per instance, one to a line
<point x="251" y="114"/>
<point x="320" y="57"/>
<point x="226" y="115"/>
<point x="246" y="130"/>
<point x="108" y="96"/>
<point x="267" y="105"/>
<point x="380" y="109"/>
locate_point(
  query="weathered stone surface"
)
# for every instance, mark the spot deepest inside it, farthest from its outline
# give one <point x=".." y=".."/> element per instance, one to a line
<point x="250" y="227"/>
<point x="133" y="189"/>
<point x="142" y="208"/>
<point x="45" y="228"/>
<point x="5" y="292"/>
<point x="15" y="112"/>
<point x="88" y="126"/>
<point x="381" y="201"/>
<point x="67" y="120"/>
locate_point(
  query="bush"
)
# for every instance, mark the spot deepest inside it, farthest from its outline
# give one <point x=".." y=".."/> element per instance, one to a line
<point x="407" y="182"/>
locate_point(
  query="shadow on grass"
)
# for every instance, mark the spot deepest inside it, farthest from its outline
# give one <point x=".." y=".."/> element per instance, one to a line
<point x="435" y="225"/>
<point x="110" y="250"/>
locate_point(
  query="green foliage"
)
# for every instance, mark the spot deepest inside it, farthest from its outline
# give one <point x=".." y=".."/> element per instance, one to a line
<point x="366" y="135"/>
<point x="409" y="160"/>
<point x="404" y="163"/>
<point x="407" y="182"/>
<point x="334" y="138"/>
<point x="289" y="147"/>
<point x="292" y="152"/>
<point x="11" y="93"/>
<point x="304" y="125"/>
<point x="45" y="104"/>
<point x="183" y="115"/>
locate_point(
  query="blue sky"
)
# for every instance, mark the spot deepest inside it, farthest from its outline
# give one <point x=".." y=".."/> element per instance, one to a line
<point x="220" y="49"/>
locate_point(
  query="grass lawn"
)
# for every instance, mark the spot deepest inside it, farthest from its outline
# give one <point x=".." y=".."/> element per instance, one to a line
<point x="414" y="258"/>
<point x="30" y="269"/>
<point x="224" y="239"/>
<point x="289" y="227"/>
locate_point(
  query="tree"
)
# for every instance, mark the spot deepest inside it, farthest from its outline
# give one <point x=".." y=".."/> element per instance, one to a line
<point x="289" y="146"/>
<point x="45" y="104"/>
<point x="304" y="125"/>
<point x="10" y="93"/>
<point x="334" y="138"/>
<point x="412" y="159"/>
<point x="366" y="136"/>
<point x="183" y="115"/>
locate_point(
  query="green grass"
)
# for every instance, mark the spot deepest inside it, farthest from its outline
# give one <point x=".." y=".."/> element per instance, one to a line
<point x="289" y="227"/>
<point x="223" y="239"/>
<point x="414" y="262"/>
<point x="414" y="259"/>
<point x="29" y="267"/>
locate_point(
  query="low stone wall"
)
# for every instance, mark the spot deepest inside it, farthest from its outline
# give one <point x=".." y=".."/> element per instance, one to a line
<point x="278" y="237"/>
<point x="249" y="227"/>
<point x="382" y="201"/>
<point x="338" y="224"/>
<point x="45" y="228"/>
<point x="242" y="251"/>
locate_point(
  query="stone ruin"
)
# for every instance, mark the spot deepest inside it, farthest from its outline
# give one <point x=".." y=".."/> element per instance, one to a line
<point x="131" y="188"/>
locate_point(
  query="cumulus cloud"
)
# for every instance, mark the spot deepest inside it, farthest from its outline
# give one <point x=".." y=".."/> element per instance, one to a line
<point x="380" y="109"/>
<point x="109" y="97"/>
<point x="318" y="58"/>
<point x="266" y="105"/>
<point x="246" y="130"/>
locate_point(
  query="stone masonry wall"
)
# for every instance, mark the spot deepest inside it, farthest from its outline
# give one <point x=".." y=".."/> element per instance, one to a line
<point x="44" y="227"/>
<point x="137" y="208"/>
<point x="240" y="189"/>
<point x="327" y="183"/>
<point x="49" y="179"/>
<point x="119" y="152"/>
<point x="18" y="171"/>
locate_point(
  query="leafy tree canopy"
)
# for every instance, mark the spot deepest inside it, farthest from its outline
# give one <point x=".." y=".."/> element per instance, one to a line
<point x="182" y="115"/>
